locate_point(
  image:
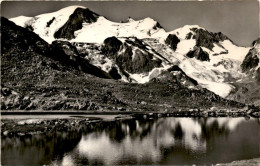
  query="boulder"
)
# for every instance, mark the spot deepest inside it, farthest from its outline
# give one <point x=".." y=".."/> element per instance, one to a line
<point x="114" y="73"/>
<point x="5" y="133"/>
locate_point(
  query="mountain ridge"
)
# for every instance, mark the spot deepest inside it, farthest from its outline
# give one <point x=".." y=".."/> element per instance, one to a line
<point x="35" y="80"/>
<point x="210" y="58"/>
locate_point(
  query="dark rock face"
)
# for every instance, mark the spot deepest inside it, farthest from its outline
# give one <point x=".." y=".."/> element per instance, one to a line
<point x="74" y="23"/>
<point x="131" y="56"/>
<point x="199" y="54"/>
<point x="65" y="46"/>
<point x="138" y="63"/>
<point x="206" y="39"/>
<point x="173" y="41"/>
<point x="203" y="38"/>
<point x="114" y="73"/>
<point x="50" y="22"/>
<point x="111" y="46"/>
<point x="257" y="75"/>
<point x="189" y="35"/>
<point x="157" y="25"/>
<point x="250" y="61"/>
<point x="257" y="41"/>
<point x="220" y="37"/>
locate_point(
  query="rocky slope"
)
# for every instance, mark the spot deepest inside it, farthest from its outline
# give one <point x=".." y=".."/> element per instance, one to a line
<point x="39" y="76"/>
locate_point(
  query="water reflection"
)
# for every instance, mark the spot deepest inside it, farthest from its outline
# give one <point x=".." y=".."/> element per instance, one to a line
<point x="37" y="149"/>
<point x="153" y="141"/>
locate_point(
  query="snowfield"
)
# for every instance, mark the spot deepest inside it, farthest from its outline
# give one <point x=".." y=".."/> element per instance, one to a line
<point x="21" y="20"/>
<point x="97" y="32"/>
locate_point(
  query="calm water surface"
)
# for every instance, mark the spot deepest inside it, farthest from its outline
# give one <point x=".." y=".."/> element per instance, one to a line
<point x="171" y="141"/>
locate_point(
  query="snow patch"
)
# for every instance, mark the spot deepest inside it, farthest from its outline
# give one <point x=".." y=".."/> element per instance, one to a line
<point x="100" y="30"/>
<point x="217" y="49"/>
<point x="182" y="32"/>
<point x="140" y="78"/>
<point x="21" y="20"/>
<point x="184" y="46"/>
<point x="234" y="52"/>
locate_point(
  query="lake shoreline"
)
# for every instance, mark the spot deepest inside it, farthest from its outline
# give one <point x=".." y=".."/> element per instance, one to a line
<point x="14" y="122"/>
<point x="30" y="123"/>
<point x="214" y="112"/>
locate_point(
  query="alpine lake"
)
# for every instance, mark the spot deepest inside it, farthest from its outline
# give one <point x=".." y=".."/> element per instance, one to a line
<point x="127" y="140"/>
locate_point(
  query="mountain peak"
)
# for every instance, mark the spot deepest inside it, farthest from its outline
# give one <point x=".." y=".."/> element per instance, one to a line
<point x="130" y="19"/>
<point x="70" y="8"/>
<point x="75" y="22"/>
<point x="48" y="24"/>
<point x="193" y="27"/>
<point x="64" y="11"/>
<point x="256" y="42"/>
<point x="184" y="31"/>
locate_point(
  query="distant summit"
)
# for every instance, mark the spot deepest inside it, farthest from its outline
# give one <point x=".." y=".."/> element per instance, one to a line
<point x="130" y="19"/>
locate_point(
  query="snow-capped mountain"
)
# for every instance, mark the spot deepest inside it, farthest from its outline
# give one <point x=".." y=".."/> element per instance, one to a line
<point x="210" y="58"/>
<point x="46" y="25"/>
<point x="85" y="26"/>
<point x="36" y="75"/>
<point x="141" y="50"/>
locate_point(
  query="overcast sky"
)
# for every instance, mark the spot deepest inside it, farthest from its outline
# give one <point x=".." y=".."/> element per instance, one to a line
<point x="239" y="20"/>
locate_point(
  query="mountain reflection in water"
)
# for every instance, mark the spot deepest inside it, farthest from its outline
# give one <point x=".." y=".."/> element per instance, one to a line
<point x="154" y="141"/>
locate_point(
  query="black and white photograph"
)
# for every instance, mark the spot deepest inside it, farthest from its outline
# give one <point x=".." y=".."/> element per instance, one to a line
<point x="130" y="83"/>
